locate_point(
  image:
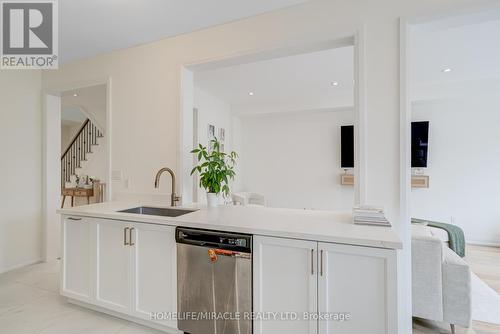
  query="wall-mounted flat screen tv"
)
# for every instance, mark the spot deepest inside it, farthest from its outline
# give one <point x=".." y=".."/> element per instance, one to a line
<point x="419" y="144"/>
<point x="347" y="146"/>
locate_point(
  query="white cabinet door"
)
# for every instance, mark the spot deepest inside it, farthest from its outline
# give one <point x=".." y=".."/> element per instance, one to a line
<point x="113" y="265"/>
<point x="361" y="282"/>
<point x="76" y="273"/>
<point x="285" y="280"/>
<point x="154" y="268"/>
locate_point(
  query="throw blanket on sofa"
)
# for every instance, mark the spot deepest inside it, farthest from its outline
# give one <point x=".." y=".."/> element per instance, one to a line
<point x="455" y="234"/>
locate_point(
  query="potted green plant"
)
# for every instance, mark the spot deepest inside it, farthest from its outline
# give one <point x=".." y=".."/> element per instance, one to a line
<point x="215" y="168"/>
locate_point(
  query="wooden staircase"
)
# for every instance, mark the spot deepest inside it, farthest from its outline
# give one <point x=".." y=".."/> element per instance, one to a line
<point x="77" y="151"/>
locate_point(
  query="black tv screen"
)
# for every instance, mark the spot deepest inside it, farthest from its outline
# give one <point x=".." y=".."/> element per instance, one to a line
<point x="419" y="144"/>
<point x="347" y="146"/>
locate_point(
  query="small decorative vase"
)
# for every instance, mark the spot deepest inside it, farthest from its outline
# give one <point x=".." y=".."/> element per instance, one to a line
<point x="212" y="200"/>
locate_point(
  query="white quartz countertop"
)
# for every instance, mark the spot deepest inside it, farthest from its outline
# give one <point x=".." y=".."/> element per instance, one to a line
<point x="325" y="226"/>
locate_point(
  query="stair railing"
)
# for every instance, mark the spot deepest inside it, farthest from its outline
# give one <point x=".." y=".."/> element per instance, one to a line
<point x="77" y="151"/>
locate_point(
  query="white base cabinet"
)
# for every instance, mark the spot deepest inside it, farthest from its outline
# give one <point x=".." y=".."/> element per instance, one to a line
<point x="299" y="287"/>
<point x="127" y="268"/>
<point x="285" y="282"/>
<point x="76" y="269"/>
<point x="154" y="268"/>
<point x="341" y="288"/>
<point x="360" y="281"/>
<point x="113" y="265"/>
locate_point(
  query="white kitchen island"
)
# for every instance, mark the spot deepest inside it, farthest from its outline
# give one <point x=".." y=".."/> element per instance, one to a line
<point x="314" y="263"/>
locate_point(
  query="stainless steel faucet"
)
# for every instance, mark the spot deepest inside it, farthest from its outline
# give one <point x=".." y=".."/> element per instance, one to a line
<point x="174" y="199"/>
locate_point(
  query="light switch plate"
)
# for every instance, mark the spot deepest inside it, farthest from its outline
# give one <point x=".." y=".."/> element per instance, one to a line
<point x="116" y="175"/>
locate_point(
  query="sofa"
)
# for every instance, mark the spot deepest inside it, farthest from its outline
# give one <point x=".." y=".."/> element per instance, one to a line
<point x="441" y="280"/>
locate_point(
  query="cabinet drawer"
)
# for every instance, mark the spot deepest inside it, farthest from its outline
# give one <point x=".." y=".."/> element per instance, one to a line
<point x="84" y="193"/>
<point x="67" y="192"/>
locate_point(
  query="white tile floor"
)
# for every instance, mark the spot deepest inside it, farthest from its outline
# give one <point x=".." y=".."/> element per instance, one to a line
<point x="30" y="303"/>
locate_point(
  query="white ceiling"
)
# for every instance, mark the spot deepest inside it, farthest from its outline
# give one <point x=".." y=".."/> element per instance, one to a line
<point x="294" y="83"/>
<point x="468" y="45"/>
<point x="91" y="27"/>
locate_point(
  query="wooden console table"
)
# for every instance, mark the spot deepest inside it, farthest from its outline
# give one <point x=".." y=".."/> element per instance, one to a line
<point x="76" y="192"/>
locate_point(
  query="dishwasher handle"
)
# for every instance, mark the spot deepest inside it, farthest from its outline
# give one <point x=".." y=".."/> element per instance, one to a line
<point x="214" y="253"/>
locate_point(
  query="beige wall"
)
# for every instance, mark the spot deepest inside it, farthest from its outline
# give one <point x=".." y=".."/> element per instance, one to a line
<point x="20" y="168"/>
<point x="146" y="79"/>
<point x="145" y="88"/>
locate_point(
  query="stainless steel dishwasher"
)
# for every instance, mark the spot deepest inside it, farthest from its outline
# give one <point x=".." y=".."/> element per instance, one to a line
<point x="214" y="282"/>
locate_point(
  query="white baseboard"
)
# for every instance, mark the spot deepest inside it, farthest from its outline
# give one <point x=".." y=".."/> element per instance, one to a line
<point x="19" y="265"/>
<point x="484" y="243"/>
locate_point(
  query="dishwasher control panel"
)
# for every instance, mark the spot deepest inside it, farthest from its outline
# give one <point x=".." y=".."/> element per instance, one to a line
<point x="233" y="241"/>
<point x="215" y="239"/>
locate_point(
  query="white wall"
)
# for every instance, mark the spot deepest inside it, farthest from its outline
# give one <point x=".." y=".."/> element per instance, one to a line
<point x="21" y="168"/>
<point x="293" y="159"/>
<point x="146" y="87"/>
<point x="68" y="132"/>
<point x="463" y="160"/>
<point x="213" y="111"/>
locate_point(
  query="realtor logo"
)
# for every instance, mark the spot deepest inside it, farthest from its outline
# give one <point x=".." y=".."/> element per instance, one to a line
<point x="29" y="34"/>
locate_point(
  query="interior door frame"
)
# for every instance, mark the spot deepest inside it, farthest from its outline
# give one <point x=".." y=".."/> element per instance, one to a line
<point x="356" y="39"/>
<point x="51" y="244"/>
<point x="405" y="25"/>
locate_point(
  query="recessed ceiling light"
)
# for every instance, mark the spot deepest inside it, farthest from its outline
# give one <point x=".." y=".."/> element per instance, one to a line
<point x="335" y="83"/>
<point x="75" y="95"/>
<point x="250" y="93"/>
<point x="446" y="70"/>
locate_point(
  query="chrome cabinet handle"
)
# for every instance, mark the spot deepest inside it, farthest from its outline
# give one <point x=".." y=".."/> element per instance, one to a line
<point x="71" y="218"/>
<point x="125" y="243"/>
<point x="312" y="261"/>
<point x="321" y="263"/>
<point x="131" y="243"/>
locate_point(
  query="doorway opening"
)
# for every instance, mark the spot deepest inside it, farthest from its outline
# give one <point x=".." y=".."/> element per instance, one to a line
<point x="83" y="145"/>
<point x="282" y="112"/>
<point x="76" y="154"/>
<point x="450" y="149"/>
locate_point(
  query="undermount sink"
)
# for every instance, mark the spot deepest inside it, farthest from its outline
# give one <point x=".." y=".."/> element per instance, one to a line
<point x="166" y="212"/>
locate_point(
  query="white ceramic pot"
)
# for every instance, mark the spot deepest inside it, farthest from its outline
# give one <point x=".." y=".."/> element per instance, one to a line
<point x="212" y="200"/>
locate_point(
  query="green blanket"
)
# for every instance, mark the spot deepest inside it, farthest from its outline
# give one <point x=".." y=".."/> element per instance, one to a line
<point x="455" y="234"/>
